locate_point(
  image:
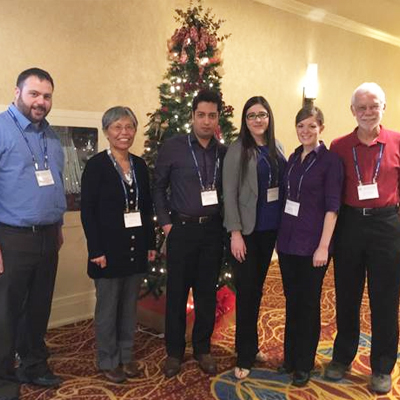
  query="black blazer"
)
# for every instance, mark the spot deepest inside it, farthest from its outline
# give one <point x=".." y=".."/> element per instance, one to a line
<point x="102" y="216"/>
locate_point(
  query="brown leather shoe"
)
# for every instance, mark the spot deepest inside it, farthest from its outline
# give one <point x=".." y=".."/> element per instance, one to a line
<point x="131" y="369"/>
<point x="116" y="375"/>
<point x="172" y="367"/>
<point x="207" y="363"/>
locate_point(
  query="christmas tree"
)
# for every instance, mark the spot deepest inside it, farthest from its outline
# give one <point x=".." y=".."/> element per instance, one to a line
<point x="194" y="51"/>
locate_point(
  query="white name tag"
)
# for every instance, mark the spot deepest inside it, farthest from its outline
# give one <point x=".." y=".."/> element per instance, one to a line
<point x="44" y="177"/>
<point x="272" y="194"/>
<point x="366" y="192"/>
<point x="132" y="219"/>
<point x="209" y="197"/>
<point x="292" y="208"/>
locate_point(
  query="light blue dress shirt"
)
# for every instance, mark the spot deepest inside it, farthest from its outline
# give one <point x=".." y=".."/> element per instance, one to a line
<point x="22" y="201"/>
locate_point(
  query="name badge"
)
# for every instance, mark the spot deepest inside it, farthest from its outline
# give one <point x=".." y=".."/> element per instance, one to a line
<point x="132" y="219"/>
<point x="209" y="197"/>
<point x="292" y="208"/>
<point x="44" y="177"/>
<point x="366" y="192"/>
<point x="272" y="194"/>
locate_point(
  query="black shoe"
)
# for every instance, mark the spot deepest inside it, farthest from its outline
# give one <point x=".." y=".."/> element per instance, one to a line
<point x="284" y="369"/>
<point x="116" y="375"/>
<point x="172" y="367"/>
<point x="21" y="376"/>
<point x="300" y="378"/>
<point x="335" y="371"/>
<point x="206" y="363"/>
<point x="46" y="380"/>
<point x="380" y="383"/>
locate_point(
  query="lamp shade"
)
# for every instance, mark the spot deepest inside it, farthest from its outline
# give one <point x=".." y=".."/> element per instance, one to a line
<point x="311" y="82"/>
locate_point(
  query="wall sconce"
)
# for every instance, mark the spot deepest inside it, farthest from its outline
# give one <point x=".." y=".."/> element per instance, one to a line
<point x="310" y="88"/>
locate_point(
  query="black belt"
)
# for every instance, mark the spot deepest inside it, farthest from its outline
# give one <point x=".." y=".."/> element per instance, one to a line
<point x="32" y="228"/>
<point x="368" y="212"/>
<point x="188" y="219"/>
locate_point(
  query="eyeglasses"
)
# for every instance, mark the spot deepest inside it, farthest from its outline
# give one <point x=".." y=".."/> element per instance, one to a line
<point x="120" y="128"/>
<point x="261" y="115"/>
<point x="363" y="109"/>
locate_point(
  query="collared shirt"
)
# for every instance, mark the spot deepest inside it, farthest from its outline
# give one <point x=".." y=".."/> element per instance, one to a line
<point x="176" y="171"/>
<point x="22" y="201"/>
<point x="320" y="192"/>
<point x="367" y="157"/>
<point x="269" y="213"/>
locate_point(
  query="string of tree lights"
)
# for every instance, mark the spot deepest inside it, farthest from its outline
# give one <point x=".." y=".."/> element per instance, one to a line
<point x="195" y="63"/>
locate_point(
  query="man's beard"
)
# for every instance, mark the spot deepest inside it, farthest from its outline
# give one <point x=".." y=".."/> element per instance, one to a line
<point x="27" y="111"/>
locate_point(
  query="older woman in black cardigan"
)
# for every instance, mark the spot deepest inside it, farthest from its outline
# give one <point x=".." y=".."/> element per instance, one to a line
<point x="117" y="217"/>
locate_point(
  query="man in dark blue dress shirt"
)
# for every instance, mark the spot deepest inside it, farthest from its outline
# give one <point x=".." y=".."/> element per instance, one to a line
<point x="32" y="204"/>
<point x="190" y="167"/>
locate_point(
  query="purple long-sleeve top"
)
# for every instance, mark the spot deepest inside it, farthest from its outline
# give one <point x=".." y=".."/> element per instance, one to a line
<point x="320" y="192"/>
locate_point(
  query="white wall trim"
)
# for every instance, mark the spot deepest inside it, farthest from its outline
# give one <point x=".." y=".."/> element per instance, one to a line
<point x="324" y="17"/>
<point x="72" y="308"/>
<point x="71" y="117"/>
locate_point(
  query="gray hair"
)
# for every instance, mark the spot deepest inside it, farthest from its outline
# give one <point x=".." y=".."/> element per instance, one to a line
<point x="369" y="87"/>
<point x="115" y="113"/>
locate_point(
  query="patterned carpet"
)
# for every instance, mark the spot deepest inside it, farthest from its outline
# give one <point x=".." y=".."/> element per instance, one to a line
<point x="73" y="357"/>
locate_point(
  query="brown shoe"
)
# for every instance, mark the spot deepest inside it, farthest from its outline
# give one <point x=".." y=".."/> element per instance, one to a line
<point x="131" y="369"/>
<point x="172" y="367"/>
<point x="116" y="375"/>
<point x="207" y="363"/>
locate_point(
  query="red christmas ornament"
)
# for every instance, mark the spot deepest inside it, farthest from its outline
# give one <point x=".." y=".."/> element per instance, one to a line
<point x="225" y="303"/>
<point x="184" y="57"/>
<point x="193" y="34"/>
<point x="218" y="133"/>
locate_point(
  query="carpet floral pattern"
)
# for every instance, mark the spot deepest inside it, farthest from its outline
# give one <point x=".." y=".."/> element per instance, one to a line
<point x="73" y="357"/>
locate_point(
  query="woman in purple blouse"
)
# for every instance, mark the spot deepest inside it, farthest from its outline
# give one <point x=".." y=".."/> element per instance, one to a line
<point x="313" y="184"/>
<point x="253" y="198"/>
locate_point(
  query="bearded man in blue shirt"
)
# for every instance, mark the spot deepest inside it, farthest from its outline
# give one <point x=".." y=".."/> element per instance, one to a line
<point x="32" y="204"/>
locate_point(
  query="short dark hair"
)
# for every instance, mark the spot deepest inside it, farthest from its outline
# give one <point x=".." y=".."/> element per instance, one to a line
<point x="208" y="96"/>
<point x="307" y="112"/>
<point x="40" y="73"/>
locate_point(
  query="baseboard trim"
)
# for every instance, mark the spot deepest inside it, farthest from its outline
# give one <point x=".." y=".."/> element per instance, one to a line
<point x="72" y="308"/>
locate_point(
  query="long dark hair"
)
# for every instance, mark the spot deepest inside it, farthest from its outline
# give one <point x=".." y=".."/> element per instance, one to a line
<point x="249" y="145"/>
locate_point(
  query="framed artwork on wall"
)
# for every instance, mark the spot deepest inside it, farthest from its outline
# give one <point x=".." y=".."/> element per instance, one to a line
<point x="79" y="145"/>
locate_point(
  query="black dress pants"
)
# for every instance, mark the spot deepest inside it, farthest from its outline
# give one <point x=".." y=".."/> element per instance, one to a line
<point x="302" y="285"/>
<point x="367" y="247"/>
<point x="194" y="256"/>
<point x="249" y="281"/>
<point x="26" y="288"/>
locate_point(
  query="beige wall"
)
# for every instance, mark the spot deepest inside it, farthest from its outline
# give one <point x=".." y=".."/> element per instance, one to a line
<point x="107" y="52"/>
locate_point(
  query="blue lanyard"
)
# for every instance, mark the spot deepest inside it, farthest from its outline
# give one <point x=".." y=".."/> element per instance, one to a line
<point x="301" y="178"/>
<point x="378" y="164"/>
<point x="263" y="157"/>
<point x="35" y="163"/>
<point x="117" y="167"/>
<point x="197" y="166"/>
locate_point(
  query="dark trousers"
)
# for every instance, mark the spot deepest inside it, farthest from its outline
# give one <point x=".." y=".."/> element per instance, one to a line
<point x="302" y="285"/>
<point x="249" y="281"/>
<point x="367" y="246"/>
<point x="30" y="266"/>
<point x="194" y="255"/>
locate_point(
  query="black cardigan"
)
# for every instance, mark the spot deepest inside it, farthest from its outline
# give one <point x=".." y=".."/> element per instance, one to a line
<point x="102" y="216"/>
